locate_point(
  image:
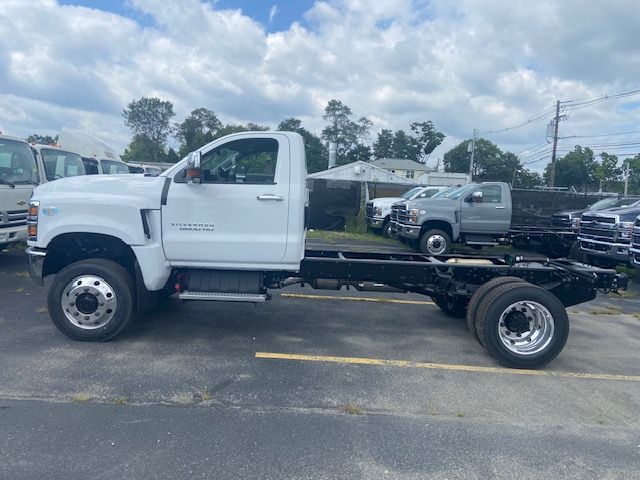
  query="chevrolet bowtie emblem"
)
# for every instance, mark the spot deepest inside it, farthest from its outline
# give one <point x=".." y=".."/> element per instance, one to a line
<point x="22" y="202"/>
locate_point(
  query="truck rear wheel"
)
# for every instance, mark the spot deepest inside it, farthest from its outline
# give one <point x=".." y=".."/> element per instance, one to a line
<point x="478" y="296"/>
<point x="92" y="300"/>
<point x="522" y="325"/>
<point x="435" y="242"/>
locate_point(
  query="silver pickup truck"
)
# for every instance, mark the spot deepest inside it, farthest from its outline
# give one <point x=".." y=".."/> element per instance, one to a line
<point x="476" y="214"/>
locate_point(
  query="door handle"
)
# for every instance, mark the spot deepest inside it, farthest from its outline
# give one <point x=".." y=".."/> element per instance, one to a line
<point x="500" y="208"/>
<point x="270" y="196"/>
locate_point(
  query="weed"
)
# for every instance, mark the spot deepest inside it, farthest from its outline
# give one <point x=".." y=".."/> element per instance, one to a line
<point x="81" y="398"/>
<point x="606" y="311"/>
<point x="336" y="237"/>
<point x="42" y="310"/>
<point x="460" y="414"/>
<point x="120" y="401"/>
<point x="352" y="409"/>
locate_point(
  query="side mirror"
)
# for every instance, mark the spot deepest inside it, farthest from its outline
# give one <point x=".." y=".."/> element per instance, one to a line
<point x="476" y="197"/>
<point x="193" y="172"/>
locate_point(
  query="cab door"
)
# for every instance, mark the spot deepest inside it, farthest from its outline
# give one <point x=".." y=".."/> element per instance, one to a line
<point x="491" y="215"/>
<point x="237" y="217"/>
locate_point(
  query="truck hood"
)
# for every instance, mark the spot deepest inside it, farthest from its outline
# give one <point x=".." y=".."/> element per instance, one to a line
<point x="386" y="201"/>
<point x="628" y="214"/>
<point x="571" y="213"/>
<point x="133" y="190"/>
<point x="425" y="203"/>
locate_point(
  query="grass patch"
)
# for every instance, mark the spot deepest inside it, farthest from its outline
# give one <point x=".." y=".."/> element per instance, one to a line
<point x="637" y="315"/>
<point x="352" y="409"/>
<point x="606" y="311"/>
<point x="460" y="414"/>
<point x="120" y="401"/>
<point x="81" y="398"/>
<point x="203" y="396"/>
<point x="622" y="294"/>
<point x="337" y="237"/>
<point x="42" y="310"/>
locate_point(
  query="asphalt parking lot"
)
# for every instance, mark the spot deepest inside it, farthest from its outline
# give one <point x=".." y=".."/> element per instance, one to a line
<point x="314" y="384"/>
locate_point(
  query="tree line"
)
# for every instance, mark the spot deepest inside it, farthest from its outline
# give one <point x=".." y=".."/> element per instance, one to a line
<point x="151" y="123"/>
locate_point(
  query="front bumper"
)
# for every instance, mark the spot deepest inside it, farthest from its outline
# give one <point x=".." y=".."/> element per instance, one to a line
<point x="408" y="231"/>
<point x="13" y="235"/>
<point x="615" y="251"/>
<point x="634" y="255"/>
<point x="36" y="261"/>
<point x="374" y="222"/>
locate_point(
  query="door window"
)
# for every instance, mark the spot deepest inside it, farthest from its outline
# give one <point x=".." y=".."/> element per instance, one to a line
<point x="491" y="194"/>
<point x="248" y="161"/>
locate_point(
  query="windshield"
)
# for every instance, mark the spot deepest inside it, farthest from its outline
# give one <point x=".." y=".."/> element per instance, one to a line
<point x="623" y="202"/>
<point x="59" y="164"/>
<point x="411" y="193"/>
<point x="114" y="168"/>
<point x="17" y="164"/>
<point x="444" y="192"/>
<point x="458" y="192"/>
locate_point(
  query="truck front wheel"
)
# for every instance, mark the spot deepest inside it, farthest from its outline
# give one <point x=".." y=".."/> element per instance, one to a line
<point x="92" y="300"/>
<point x="435" y="242"/>
<point x="522" y="325"/>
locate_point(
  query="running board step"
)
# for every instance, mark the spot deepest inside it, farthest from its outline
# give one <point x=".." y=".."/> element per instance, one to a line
<point x="224" y="297"/>
<point x="484" y="244"/>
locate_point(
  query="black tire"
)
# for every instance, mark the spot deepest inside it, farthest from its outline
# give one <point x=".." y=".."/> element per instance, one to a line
<point x="435" y="242"/>
<point x="576" y="253"/>
<point x="478" y="296"/>
<point x="544" y="348"/>
<point x="386" y="228"/>
<point x="121" y="286"/>
<point x="449" y="305"/>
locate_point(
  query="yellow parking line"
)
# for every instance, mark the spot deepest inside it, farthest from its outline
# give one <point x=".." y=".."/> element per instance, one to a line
<point x="355" y="299"/>
<point x="444" y="366"/>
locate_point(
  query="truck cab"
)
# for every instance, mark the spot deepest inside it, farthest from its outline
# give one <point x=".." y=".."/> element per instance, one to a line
<point x="378" y="210"/>
<point x="19" y="173"/>
<point x="475" y="214"/>
<point x="55" y="163"/>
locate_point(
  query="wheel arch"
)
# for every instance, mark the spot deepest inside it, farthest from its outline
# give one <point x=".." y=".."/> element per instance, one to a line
<point x="439" y="225"/>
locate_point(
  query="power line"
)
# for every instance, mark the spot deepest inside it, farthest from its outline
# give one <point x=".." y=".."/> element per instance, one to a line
<point x="600" y="135"/>
<point x="542" y="116"/>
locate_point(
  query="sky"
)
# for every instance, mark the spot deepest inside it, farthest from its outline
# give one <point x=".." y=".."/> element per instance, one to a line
<point x="467" y="64"/>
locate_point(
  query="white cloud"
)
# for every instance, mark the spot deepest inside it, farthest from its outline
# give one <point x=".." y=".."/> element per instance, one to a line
<point x="466" y="64"/>
<point x="273" y="11"/>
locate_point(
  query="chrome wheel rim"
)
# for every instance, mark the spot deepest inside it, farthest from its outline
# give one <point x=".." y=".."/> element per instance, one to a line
<point x="436" y="244"/>
<point x="89" y="302"/>
<point x="526" y="327"/>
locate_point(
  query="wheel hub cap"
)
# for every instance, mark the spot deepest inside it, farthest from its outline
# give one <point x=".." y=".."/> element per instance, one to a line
<point x="89" y="302"/>
<point x="436" y="244"/>
<point x="526" y="328"/>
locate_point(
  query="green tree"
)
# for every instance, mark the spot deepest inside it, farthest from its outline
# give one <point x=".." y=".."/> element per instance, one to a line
<point x="383" y="147"/>
<point x="425" y="138"/>
<point x="607" y="171"/>
<point x="143" y="150"/>
<point x="634" y="174"/>
<point x="198" y="129"/>
<point x="172" y="156"/>
<point x="42" y="139"/>
<point x="347" y="134"/>
<point x="525" y="178"/>
<point x="403" y="147"/>
<point x="149" y="117"/>
<point x="490" y="163"/>
<point x="317" y="155"/>
<point x="575" y="169"/>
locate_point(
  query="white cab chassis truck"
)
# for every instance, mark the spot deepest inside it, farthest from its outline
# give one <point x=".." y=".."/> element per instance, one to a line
<point x="228" y="224"/>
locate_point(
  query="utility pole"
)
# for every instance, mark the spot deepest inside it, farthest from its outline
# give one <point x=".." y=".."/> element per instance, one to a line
<point x="626" y="178"/>
<point x="473" y="153"/>
<point x="552" y="170"/>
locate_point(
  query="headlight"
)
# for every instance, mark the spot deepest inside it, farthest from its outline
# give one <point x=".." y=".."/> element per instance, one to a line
<point x="32" y="220"/>
<point x="625" y="229"/>
<point x="575" y="222"/>
<point x="413" y="215"/>
<point x="377" y="211"/>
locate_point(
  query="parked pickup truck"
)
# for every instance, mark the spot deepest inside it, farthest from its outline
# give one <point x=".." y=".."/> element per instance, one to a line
<point x="634" y="251"/>
<point x="571" y="219"/>
<point x="378" y="210"/>
<point x="605" y="236"/>
<point x="227" y="223"/>
<point x="487" y="214"/>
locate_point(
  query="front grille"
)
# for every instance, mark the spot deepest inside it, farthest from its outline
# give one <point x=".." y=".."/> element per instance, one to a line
<point x="595" y="227"/>
<point x="368" y="211"/>
<point x="13" y="218"/>
<point x="594" y="247"/>
<point x="397" y="211"/>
